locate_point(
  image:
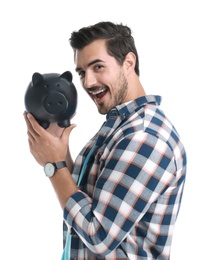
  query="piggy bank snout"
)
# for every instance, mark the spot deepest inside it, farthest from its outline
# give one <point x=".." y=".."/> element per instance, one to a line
<point x="55" y="103"/>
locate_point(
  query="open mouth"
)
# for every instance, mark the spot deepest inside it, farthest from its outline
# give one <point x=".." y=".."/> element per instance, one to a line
<point x="98" y="92"/>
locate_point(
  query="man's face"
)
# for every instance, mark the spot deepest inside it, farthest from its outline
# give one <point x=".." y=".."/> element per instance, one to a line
<point x="101" y="76"/>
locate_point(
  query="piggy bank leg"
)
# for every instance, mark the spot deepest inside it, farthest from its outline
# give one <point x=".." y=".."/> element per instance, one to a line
<point x="64" y="123"/>
<point x="44" y="124"/>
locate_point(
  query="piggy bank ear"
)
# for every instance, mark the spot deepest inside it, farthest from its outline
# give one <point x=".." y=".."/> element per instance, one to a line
<point x="67" y="75"/>
<point x="37" y="78"/>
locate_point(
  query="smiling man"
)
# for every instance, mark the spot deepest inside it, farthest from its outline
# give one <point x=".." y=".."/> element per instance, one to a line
<point x="104" y="79"/>
<point x="122" y="194"/>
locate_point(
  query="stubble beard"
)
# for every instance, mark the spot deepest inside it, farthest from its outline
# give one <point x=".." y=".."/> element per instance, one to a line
<point x="118" y="96"/>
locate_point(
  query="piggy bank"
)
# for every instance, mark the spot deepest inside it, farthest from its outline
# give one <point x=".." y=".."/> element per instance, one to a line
<point x="51" y="98"/>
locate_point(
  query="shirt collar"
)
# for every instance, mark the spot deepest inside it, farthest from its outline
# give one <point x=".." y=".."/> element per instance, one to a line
<point x="125" y="109"/>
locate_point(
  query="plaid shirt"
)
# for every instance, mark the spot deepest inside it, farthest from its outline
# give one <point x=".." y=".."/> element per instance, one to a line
<point x="131" y="192"/>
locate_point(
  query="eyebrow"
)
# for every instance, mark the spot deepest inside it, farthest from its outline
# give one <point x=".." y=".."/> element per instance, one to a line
<point x="89" y="64"/>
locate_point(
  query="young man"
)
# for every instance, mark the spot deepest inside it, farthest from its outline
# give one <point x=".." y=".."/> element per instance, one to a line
<point x="131" y="173"/>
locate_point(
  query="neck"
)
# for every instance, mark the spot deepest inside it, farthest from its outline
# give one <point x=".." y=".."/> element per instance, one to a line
<point x="136" y="89"/>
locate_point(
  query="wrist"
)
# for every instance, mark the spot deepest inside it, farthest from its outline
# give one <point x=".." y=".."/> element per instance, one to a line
<point x="50" y="168"/>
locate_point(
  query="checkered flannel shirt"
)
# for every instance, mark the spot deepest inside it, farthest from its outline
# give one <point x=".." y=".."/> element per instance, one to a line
<point x="131" y="193"/>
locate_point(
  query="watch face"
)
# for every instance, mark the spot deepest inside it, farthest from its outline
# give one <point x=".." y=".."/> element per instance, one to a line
<point x="49" y="169"/>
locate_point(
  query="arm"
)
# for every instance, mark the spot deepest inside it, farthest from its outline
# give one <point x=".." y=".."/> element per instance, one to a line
<point x="57" y="131"/>
<point x="69" y="160"/>
<point x="52" y="146"/>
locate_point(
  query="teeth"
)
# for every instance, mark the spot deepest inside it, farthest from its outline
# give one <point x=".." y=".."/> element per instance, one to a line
<point x="96" y="92"/>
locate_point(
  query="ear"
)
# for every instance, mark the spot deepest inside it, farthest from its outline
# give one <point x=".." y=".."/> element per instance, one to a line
<point x="129" y="63"/>
<point x="37" y="78"/>
<point x="67" y="75"/>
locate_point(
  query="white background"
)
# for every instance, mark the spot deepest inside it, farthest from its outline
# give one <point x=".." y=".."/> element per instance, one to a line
<point x="178" y="46"/>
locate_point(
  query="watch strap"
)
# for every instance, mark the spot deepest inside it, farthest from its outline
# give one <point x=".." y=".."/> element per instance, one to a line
<point x="60" y="165"/>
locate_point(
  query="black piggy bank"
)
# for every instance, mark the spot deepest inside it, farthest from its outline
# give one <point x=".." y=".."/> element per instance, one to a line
<point x="51" y="98"/>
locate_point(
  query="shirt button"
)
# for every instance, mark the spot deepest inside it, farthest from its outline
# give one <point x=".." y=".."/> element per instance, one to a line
<point x="123" y="116"/>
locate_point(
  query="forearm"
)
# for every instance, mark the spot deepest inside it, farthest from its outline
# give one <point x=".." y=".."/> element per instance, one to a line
<point x="63" y="185"/>
<point x="69" y="161"/>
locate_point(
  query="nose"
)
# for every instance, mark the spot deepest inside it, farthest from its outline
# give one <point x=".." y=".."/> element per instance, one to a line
<point x="89" y="80"/>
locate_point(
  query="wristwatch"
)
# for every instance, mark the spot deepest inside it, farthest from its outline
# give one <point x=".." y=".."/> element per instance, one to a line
<point x="51" y="168"/>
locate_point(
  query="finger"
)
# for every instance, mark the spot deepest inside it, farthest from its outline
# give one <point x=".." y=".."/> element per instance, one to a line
<point x="29" y="127"/>
<point x="30" y="142"/>
<point x="36" y="129"/>
<point x="31" y="138"/>
<point x="66" y="132"/>
<point x="26" y="119"/>
<point x="30" y="131"/>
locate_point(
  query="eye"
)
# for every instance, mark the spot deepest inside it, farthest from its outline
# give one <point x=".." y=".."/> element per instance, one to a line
<point x="98" y="67"/>
<point x="81" y="73"/>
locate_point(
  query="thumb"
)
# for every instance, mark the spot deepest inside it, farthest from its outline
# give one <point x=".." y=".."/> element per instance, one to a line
<point x="67" y="131"/>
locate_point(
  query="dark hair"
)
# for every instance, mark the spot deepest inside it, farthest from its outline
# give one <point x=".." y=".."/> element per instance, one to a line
<point x="119" y="40"/>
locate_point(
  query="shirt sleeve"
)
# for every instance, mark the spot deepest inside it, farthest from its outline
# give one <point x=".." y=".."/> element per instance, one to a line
<point x="134" y="173"/>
